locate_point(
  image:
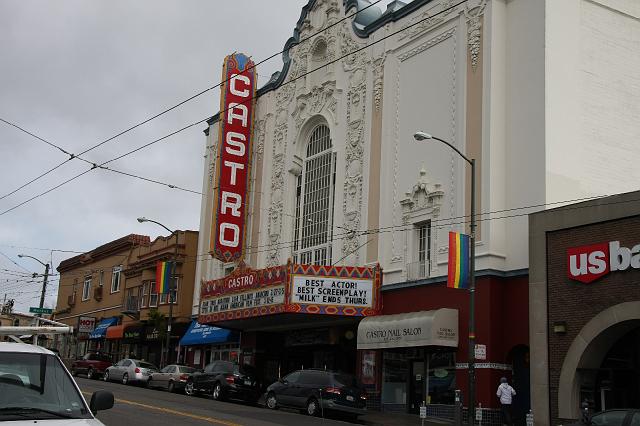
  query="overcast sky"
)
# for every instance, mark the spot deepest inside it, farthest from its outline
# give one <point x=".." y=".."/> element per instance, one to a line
<point x="77" y="72"/>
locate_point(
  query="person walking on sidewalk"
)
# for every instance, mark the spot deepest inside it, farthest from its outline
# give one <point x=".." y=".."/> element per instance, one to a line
<point x="505" y="393"/>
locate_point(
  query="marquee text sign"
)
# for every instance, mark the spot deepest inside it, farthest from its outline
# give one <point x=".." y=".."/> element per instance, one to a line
<point x="589" y="263"/>
<point x="332" y="291"/>
<point x="237" y="106"/>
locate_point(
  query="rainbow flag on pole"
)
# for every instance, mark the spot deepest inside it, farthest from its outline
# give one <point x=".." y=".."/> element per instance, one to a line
<point x="163" y="275"/>
<point x="459" y="260"/>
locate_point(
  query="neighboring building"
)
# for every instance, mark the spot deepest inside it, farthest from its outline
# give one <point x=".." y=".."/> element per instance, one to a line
<point x="540" y="93"/>
<point x="107" y="295"/>
<point x="585" y="307"/>
<point x="143" y="329"/>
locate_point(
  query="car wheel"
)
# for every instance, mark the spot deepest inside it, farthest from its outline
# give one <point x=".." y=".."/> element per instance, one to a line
<point x="125" y="378"/>
<point x="189" y="389"/>
<point x="106" y="376"/>
<point x="217" y="392"/>
<point x="171" y="387"/>
<point x="312" y="407"/>
<point x="90" y="373"/>
<point x="271" y="401"/>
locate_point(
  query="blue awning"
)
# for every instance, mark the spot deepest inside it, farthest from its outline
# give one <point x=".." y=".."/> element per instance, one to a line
<point x="101" y="329"/>
<point x="200" y="334"/>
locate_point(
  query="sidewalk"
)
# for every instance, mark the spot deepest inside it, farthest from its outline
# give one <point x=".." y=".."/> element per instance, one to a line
<point x="374" y="418"/>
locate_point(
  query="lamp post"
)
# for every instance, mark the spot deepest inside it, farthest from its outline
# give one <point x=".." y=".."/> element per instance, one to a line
<point x="44" y="281"/>
<point x="420" y="136"/>
<point x="171" y="287"/>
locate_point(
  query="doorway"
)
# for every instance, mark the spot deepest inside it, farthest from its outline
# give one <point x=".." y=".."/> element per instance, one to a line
<point x="416" y="385"/>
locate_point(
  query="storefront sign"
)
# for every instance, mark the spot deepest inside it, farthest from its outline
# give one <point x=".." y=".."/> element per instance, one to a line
<point x="237" y="105"/>
<point x="427" y="328"/>
<point x="233" y="283"/>
<point x="86" y="324"/>
<point x="133" y="333"/>
<point x="332" y="291"/>
<point x="589" y="263"/>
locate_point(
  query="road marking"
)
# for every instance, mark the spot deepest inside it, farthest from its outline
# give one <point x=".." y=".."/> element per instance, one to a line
<point x="175" y="412"/>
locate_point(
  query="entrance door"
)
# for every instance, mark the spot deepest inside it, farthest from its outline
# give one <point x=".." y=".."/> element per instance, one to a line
<point x="416" y="386"/>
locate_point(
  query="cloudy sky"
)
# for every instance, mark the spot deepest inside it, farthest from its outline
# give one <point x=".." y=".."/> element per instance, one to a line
<point x="76" y="73"/>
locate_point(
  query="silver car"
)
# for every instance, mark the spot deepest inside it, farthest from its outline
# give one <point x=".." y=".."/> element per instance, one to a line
<point x="172" y="377"/>
<point x="129" y="371"/>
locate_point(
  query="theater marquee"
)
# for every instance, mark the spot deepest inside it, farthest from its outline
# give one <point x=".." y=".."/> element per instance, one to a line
<point x="292" y="288"/>
<point x="237" y="106"/>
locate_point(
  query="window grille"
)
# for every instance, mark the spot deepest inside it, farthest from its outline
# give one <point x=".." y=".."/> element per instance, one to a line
<point x="314" y="201"/>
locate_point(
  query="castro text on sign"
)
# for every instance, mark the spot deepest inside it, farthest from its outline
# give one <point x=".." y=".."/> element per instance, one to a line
<point x="332" y="291"/>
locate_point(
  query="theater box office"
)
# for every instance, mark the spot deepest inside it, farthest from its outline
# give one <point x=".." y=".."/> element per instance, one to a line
<point x="294" y="316"/>
<point x="585" y="306"/>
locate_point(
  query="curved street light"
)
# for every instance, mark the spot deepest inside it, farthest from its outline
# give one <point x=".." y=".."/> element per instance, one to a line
<point x="171" y="287"/>
<point x="421" y="136"/>
<point x="44" y="281"/>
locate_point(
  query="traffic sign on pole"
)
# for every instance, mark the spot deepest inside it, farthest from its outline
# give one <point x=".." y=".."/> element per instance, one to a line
<point x="36" y="310"/>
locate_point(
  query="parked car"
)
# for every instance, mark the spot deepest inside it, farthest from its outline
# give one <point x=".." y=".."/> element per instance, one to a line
<point x="172" y="377"/>
<point x="35" y="387"/>
<point x="615" y="417"/>
<point x="93" y="364"/>
<point x="318" y="392"/>
<point x="130" y="371"/>
<point x="225" y="379"/>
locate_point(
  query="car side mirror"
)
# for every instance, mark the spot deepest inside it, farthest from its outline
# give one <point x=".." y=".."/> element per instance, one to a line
<point x="101" y="400"/>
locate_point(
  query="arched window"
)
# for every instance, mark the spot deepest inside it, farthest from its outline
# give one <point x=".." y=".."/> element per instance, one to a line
<point x="314" y="201"/>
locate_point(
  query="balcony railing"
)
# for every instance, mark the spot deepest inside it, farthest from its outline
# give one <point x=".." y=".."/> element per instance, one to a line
<point x="417" y="271"/>
<point x="132" y="304"/>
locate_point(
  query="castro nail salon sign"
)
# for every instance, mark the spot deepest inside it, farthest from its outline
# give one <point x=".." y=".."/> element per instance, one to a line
<point x="237" y="106"/>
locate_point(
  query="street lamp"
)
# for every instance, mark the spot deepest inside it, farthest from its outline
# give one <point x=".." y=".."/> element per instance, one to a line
<point x="46" y="277"/>
<point x="420" y="136"/>
<point x="171" y="286"/>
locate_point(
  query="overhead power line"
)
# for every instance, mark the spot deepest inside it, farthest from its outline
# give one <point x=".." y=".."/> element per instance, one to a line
<point x="243" y="102"/>
<point x="147" y="120"/>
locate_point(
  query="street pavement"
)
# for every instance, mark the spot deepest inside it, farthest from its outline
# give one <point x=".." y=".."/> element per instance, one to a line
<point x="141" y="406"/>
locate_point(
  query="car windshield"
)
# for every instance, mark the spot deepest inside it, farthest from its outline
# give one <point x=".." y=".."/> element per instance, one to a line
<point x="36" y="386"/>
<point x="147" y="365"/>
<point x="346" y="380"/>
<point x="186" y="370"/>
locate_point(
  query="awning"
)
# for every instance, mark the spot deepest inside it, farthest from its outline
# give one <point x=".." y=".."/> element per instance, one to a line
<point x="101" y="329"/>
<point x="115" y="332"/>
<point x="200" y="334"/>
<point x="425" y="328"/>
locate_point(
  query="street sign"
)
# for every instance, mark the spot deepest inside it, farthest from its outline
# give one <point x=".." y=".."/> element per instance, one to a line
<point x="423" y="412"/>
<point x="35" y="310"/>
<point x="481" y="352"/>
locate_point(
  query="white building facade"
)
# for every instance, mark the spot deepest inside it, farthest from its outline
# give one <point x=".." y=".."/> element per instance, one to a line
<point x="544" y="94"/>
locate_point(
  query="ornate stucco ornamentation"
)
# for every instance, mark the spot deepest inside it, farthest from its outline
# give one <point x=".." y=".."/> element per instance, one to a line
<point x="356" y="65"/>
<point x="320" y="98"/>
<point x="378" y="75"/>
<point x="423" y="201"/>
<point x="473" y="15"/>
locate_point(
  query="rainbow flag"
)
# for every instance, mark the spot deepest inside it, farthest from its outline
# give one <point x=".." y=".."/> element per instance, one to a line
<point x="459" y="257"/>
<point x="163" y="275"/>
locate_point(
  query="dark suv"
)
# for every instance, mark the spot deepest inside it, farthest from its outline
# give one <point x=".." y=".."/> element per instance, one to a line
<point x="92" y="364"/>
<point x="224" y="379"/>
<point x="317" y="392"/>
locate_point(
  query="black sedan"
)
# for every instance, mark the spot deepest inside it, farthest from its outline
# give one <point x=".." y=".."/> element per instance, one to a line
<point x="318" y="392"/>
<point x="224" y="379"/>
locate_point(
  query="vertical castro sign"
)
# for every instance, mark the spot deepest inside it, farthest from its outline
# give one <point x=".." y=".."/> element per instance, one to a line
<point x="237" y="106"/>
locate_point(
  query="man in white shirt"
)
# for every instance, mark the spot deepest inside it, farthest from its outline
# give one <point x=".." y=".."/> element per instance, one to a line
<point x="505" y="393"/>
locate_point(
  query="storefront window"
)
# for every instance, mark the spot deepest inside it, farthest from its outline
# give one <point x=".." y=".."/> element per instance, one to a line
<point x="395" y="371"/>
<point x="442" y="378"/>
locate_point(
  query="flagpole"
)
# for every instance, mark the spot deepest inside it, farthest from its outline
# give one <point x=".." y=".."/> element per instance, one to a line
<point x="420" y="136"/>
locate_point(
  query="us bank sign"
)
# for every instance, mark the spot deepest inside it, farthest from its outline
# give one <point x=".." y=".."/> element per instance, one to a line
<point x="237" y="106"/>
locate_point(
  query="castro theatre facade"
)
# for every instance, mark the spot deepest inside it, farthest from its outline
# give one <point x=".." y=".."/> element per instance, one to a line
<point x="323" y="223"/>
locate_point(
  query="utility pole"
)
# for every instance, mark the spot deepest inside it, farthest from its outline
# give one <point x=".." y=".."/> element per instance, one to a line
<point x="44" y="285"/>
